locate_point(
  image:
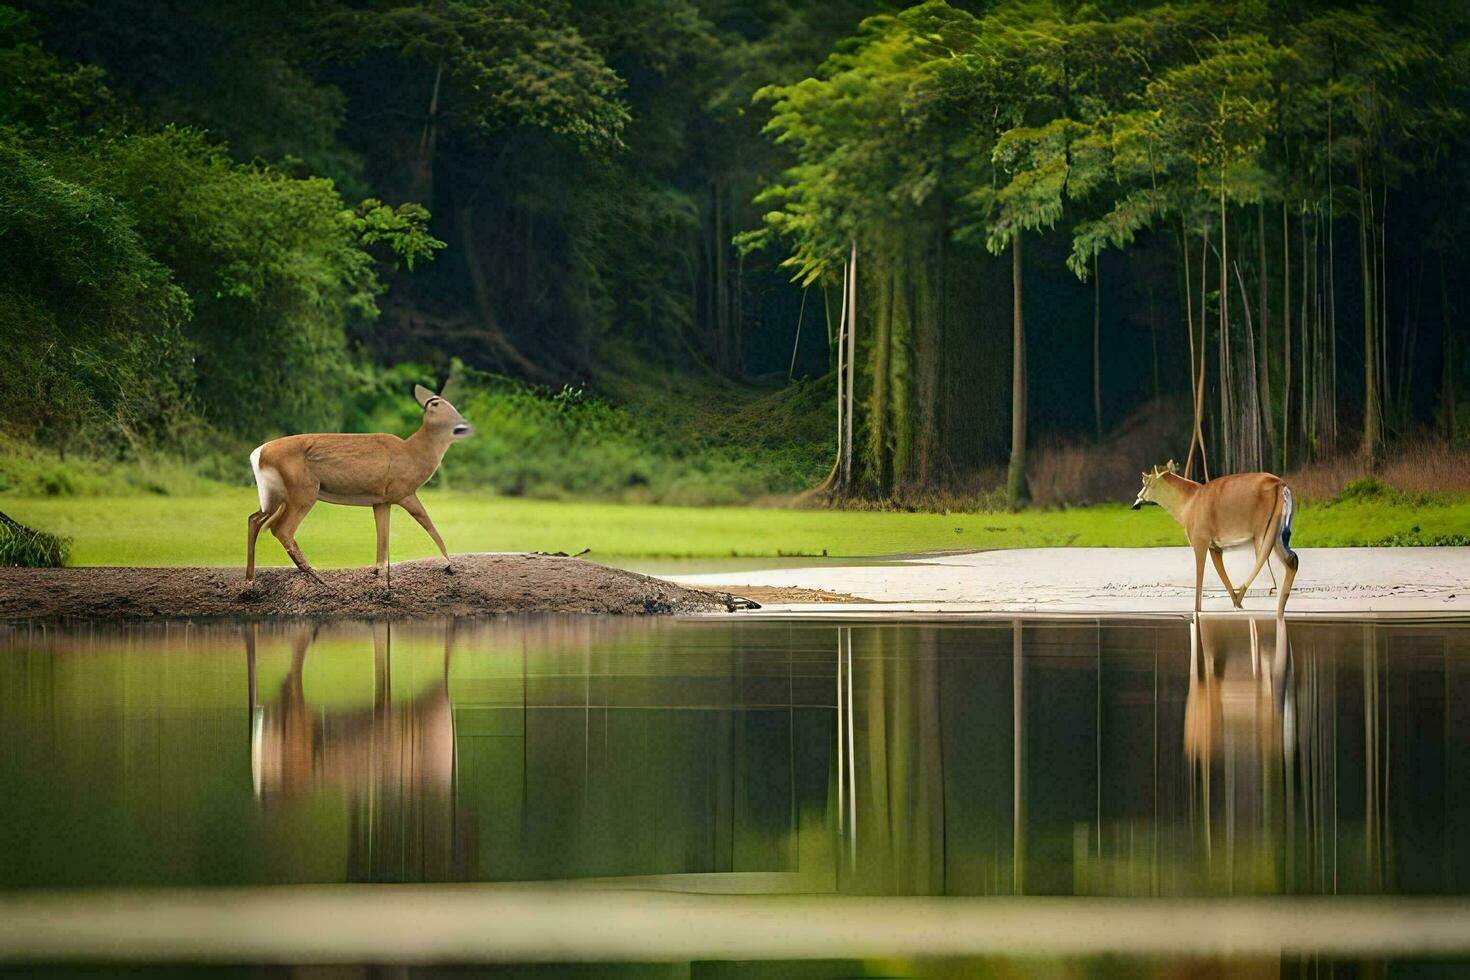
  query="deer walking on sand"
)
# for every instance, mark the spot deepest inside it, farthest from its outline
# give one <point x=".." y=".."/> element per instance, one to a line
<point x="373" y="470"/>
<point x="1246" y="508"/>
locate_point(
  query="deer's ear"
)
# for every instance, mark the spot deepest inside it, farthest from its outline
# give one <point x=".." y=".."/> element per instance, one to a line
<point x="422" y="394"/>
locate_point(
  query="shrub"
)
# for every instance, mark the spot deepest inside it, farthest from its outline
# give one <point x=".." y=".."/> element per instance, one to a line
<point x="25" y="547"/>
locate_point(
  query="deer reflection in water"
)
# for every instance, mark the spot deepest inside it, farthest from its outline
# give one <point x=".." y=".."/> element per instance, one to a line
<point x="1240" y="738"/>
<point x="393" y="760"/>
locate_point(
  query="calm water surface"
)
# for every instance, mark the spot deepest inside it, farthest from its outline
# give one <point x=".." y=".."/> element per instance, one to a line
<point x="1078" y="758"/>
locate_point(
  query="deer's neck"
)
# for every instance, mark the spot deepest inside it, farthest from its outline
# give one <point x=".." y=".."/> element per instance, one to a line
<point x="1174" y="494"/>
<point x="427" y="450"/>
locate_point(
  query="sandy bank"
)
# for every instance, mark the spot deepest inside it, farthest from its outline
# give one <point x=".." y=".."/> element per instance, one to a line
<point x="1116" y="581"/>
<point x="483" y="584"/>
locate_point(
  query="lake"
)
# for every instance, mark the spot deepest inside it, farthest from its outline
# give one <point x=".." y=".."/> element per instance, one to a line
<point x="1074" y="778"/>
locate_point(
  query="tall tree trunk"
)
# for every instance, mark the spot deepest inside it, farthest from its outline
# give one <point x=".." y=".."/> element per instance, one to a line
<point x="1096" y="349"/>
<point x="1285" y="338"/>
<point x="880" y="357"/>
<point x="1199" y="395"/>
<point x="1153" y="336"/>
<point x="1263" y="380"/>
<point x="838" y="479"/>
<point x="723" y="352"/>
<point x="1447" y="356"/>
<point x="1228" y="443"/>
<point x="1371" y="420"/>
<point x="1193" y="360"/>
<point x="852" y="292"/>
<point x="1250" y="455"/>
<point x="1016" y="474"/>
<point x="423" y="180"/>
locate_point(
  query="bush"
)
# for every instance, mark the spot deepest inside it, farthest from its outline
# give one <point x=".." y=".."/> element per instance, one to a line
<point x="24" y="547"/>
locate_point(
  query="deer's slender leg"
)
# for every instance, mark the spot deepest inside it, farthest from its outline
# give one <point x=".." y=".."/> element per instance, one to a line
<point x="284" y="529"/>
<point x="252" y="530"/>
<point x="413" y="506"/>
<point x="380" y="514"/>
<point x="1219" y="557"/>
<point x="1199" y="575"/>
<point x="1286" y="581"/>
<point x="258" y="520"/>
<point x="1273" y="534"/>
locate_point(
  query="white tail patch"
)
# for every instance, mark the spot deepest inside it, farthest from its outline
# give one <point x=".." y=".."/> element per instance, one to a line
<point x="1285" y="532"/>
<point x="268" y="483"/>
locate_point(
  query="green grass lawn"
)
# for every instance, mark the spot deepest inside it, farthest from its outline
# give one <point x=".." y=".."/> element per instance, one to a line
<point x="211" y="530"/>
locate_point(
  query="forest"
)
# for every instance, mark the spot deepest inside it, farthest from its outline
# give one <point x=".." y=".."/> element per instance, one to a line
<point x="972" y="255"/>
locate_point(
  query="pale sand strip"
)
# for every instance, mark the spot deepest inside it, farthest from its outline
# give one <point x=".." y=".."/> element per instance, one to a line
<point x="1340" y="581"/>
<point x="469" y="923"/>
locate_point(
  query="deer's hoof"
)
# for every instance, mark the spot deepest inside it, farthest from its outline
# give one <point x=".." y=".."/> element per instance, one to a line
<point x="448" y="568"/>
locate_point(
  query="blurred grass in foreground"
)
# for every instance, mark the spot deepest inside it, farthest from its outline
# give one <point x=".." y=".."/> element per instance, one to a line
<point x="211" y="530"/>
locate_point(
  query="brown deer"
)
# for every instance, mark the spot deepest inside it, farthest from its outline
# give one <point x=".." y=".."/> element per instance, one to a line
<point x="364" y="470"/>
<point x="1246" y="508"/>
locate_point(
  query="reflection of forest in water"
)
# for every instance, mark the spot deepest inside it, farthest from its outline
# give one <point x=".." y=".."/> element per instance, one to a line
<point x="971" y="758"/>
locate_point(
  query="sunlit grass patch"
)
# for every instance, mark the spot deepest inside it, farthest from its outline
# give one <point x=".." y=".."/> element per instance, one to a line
<point x="211" y="530"/>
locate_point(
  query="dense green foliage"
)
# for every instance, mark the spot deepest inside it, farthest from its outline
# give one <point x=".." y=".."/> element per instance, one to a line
<point x="1304" y="155"/>
<point x="649" y="241"/>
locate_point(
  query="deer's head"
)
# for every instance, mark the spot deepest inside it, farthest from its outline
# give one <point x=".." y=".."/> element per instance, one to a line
<point x="440" y="417"/>
<point x="1151" y="481"/>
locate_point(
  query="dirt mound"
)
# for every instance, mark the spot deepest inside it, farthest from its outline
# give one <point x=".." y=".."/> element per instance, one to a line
<point x="483" y="584"/>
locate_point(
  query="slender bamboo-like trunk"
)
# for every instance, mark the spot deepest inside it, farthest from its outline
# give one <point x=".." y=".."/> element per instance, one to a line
<point x="1228" y="443"/>
<point x="423" y="184"/>
<point x="1380" y="317"/>
<point x="796" y="344"/>
<point x="837" y="477"/>
<point x="1447" y="381"/>
<point x="1311" y="312"/>
<point x="1371" y="422"/>
<point x="1285" y="339"/>
<point x="1328" y="390"/>
<point x="852" y="292"/>
<point x="1250" y="454"/>
<point x="1199" y="395"/>
<point x="1193" y="361"/>
<point x="1263" y="380"/>
<point x="1153" y="336"/>
<point x="1096" y="349"/>
<point x="1016" y="474"/>
<point x="721" y="286"/>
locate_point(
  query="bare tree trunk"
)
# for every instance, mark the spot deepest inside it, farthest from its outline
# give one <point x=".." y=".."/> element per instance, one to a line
<point x="1371" y="421"/>
<point x="1016" y="474"/>
<point x="1228" y="442"/>
<point x="1193" y="360"/>
<point x="852" y="292"/>
<point x="1447" y="383"/>
<point x="1285" y="339"/>
<point x="423" y="182"/>
<point x="1096" y="349"/>
<point x="1199" y="397"/>
<point x="834" y="479"/>
<point x="1250" y="454"/>
<point x="1263" y="382"/>
<point x="1153" y="336"/>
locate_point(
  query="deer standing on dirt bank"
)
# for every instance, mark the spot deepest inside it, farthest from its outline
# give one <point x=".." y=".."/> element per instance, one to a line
<point x="1246" y="508"/>
<point x="364" y="470"/>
